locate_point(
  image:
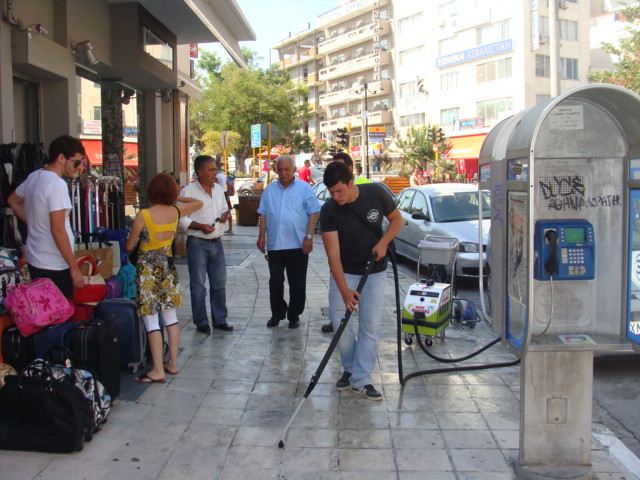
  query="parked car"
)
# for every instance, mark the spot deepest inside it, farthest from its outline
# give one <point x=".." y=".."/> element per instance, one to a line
<point x="249" y="186"/>
<point x="447" y="210"/>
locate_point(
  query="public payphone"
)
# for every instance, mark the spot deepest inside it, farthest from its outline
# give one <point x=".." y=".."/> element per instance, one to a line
<point x="564" y="250"/>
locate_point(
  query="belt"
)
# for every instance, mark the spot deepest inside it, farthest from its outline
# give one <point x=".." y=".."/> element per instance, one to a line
<point x="212" y="240"/>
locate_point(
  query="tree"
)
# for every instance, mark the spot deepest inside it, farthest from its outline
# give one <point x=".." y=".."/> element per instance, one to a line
<point x="627" y="65"/>
<point x="240" y="97"/>
<point x="212" y="142"/>
<point x="210" y="64"/>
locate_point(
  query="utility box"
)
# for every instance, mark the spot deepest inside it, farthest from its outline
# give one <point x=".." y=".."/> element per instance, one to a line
<point x="564" y="178"/>
<point x="247" y="212"/>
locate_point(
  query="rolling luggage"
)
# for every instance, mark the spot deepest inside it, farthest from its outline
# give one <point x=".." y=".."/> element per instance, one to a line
<point x="131" y="335"/>
<point x="17" y="351"/>
<point x="96" y="345"/>
<point x="50" y="338"/>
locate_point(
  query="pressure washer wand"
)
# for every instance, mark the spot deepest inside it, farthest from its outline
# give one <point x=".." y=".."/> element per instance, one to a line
<point x="323" y="363"/>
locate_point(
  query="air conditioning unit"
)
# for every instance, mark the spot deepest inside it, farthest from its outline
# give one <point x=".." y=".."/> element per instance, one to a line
<point x="543" y="39"/>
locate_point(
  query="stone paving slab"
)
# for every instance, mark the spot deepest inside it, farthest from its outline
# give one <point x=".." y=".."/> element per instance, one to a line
<point x="221" y="417"/>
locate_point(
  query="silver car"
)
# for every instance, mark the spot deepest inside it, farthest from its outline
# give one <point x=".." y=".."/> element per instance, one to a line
<point x="447" y="210"/>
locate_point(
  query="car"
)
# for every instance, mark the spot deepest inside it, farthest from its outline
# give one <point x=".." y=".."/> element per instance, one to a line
<point x="249" y="186"/>
<point x="445" y="210"/>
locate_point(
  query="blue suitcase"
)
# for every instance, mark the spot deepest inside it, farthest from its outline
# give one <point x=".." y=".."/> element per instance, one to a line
<point x="50" y="342"/>
<point x="131" y="335"/>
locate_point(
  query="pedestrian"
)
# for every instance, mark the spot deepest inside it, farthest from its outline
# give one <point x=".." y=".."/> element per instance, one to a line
<point x="205" y="254"/>
<point x="42" y="202"/>
<point x="223" y="181"/>
<point x="304" y="173"/>
<point x="288" y="214"/>
<point x="351" y="225"/>
<point x="158" y="290"/>
<point x="343" y="157"/>
<point x="416" y="179"/>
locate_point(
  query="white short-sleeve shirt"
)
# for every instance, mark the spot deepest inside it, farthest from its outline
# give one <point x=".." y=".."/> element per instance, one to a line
<point x="45" y="192"/>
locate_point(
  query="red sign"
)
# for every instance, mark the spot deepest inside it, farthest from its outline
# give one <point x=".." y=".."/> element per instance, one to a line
<point x="355" y="151"/>
<point x="193" y="50"/>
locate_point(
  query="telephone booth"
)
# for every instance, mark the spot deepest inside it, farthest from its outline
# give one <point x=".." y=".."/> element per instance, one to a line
<point x="564" y="258"/>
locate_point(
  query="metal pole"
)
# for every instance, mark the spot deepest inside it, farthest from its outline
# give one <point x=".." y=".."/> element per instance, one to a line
<point x="366" y="127"/>
<point x="554" y="49"/>
<point x="268" y="153"/>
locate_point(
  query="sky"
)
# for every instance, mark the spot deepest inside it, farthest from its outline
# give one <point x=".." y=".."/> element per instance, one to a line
<point x="272" y="20"/>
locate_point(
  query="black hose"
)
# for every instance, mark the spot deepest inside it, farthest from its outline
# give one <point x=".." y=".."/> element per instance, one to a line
<point x="396" y="283"/>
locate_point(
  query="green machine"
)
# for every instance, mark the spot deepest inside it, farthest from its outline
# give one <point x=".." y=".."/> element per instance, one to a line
<point x="427" y="305"/>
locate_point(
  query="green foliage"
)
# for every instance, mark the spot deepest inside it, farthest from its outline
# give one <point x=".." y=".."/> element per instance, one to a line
<point x="445" y="169"/>
<point x="212" y="142"/>
<point x="627" y="65"/>
<point x="237" y="98"/>
<point x="416" y="148"/>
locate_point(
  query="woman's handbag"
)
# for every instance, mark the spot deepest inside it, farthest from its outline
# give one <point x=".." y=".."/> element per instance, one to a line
<point x="37" y="305"/>
<point x="94" y="289"/>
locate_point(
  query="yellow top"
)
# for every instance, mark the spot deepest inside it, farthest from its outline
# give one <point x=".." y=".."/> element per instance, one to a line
<point x="154" y="229"/>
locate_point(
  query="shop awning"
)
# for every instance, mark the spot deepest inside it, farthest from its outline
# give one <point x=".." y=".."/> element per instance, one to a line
<point x="466" y="147"/>
<point x="93" y="149"/>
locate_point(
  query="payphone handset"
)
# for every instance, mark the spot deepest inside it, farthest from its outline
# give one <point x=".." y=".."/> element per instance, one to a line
<point x="565" y="250"/>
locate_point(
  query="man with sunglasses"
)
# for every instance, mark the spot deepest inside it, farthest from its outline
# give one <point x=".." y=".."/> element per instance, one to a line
<point x="42" y="202"/>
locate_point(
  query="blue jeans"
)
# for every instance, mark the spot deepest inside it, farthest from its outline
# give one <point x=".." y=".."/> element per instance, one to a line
<point x="206" y="260"/>
<point x="358" y="353"/>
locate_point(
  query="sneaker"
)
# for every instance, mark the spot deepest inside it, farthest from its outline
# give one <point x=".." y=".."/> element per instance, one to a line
<point x="327" y="328"/>
<point x="295" y="323"/>
<point x="344" y="381"/>
<point x="368" y="391"/>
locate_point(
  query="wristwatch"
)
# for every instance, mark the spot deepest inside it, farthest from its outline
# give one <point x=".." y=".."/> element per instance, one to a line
<point x="308" y="237"/>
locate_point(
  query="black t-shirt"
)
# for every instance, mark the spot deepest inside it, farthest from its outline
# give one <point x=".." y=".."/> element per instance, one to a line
<point x="356" y="223"/>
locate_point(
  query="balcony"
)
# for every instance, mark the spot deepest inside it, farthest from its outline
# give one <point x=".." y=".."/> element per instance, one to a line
<point x="381" y="87"/>
<point x="366" y="62"/>
<point x="348" y="11"/>
<point x="304" y="55"/>
<point x="378" y="117"/>
<point x="354" y="37"/>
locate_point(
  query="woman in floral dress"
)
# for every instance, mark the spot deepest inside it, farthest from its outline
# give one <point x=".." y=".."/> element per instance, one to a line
<point x="157" y="279"/>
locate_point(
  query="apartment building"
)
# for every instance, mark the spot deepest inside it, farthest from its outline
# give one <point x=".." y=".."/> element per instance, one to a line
<point x="462" y="64"/>
<point x="607" y="25"/>
<point x="490" y="59"/>
<point x="347" y="63"/>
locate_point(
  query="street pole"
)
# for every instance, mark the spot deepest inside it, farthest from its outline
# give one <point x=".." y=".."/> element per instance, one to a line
<point x="554" y="49"/>
<point x="366" y="127"/>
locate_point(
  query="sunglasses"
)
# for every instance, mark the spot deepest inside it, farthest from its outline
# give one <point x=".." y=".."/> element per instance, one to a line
<point x="76" y="161"/>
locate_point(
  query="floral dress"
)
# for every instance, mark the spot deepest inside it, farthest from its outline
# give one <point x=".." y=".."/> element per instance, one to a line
<point x="157" y="277"/>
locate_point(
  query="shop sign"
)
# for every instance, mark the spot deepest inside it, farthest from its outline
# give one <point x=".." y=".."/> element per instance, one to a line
<point x="92" y="127"/>
<point x="467" y="123"/>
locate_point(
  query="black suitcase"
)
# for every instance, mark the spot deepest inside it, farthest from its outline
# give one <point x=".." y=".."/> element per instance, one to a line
<point x="96" y="345"/>
<point x="17" y="351"/>
<point x="131" y="335"/>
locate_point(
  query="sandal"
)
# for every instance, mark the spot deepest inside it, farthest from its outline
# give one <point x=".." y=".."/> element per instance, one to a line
<point x="170" y="372"/>
<point x="147" y="379"/>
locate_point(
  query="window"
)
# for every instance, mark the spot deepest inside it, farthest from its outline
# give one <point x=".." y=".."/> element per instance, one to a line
<point x="410" y="24"/>
<point x="543" y="66"/>
<point x="408" y="90"/>
<point x="413" y="56"/>
<point x="492" y="110"/>
<point x="449" y="81"/>
<point x="157" y="48"/>
<point x="493" y="32"/>
<point x="568" y="67"/>
<point x="419" y="204"/>
<point x="449" y="116"/>
<point x="411" y="120"/>
<point x="97" y="112"/>
<point x="486" y="72"/>
<point x="404" y="202"/>
<point x="568" y="29"/>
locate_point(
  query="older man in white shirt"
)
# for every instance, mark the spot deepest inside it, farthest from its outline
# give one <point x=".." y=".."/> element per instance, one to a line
<point x="204" y="248"/>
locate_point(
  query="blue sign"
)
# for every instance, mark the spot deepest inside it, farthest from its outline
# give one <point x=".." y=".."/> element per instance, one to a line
<point x="255" y="136"/>
<point x="476" y="53"/>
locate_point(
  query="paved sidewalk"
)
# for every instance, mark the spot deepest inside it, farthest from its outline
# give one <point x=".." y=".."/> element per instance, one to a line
<point x="221" y="417"/>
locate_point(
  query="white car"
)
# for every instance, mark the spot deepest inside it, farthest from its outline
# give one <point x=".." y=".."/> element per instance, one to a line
<point x="446" y="210"/>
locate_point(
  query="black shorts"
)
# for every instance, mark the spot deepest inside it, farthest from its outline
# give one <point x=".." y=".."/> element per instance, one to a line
<point x="62" y="279"/>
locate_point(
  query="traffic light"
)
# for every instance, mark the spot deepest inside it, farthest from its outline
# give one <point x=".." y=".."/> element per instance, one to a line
<point x="440" y="135"/>
<point x="343" y="137"/>
<point x="333" y="150"/>
<point x="432" y="134"/>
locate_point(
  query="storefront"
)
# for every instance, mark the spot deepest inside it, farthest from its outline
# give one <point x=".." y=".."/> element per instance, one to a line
<point x="465" y="151"/>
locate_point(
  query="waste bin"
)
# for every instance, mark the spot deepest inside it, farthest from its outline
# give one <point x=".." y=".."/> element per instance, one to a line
<point x="247" y="213"/>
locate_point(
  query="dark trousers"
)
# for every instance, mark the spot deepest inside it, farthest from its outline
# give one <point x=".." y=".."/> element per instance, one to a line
<point x="62" y="279"/>
<point x="294" y="262"/>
